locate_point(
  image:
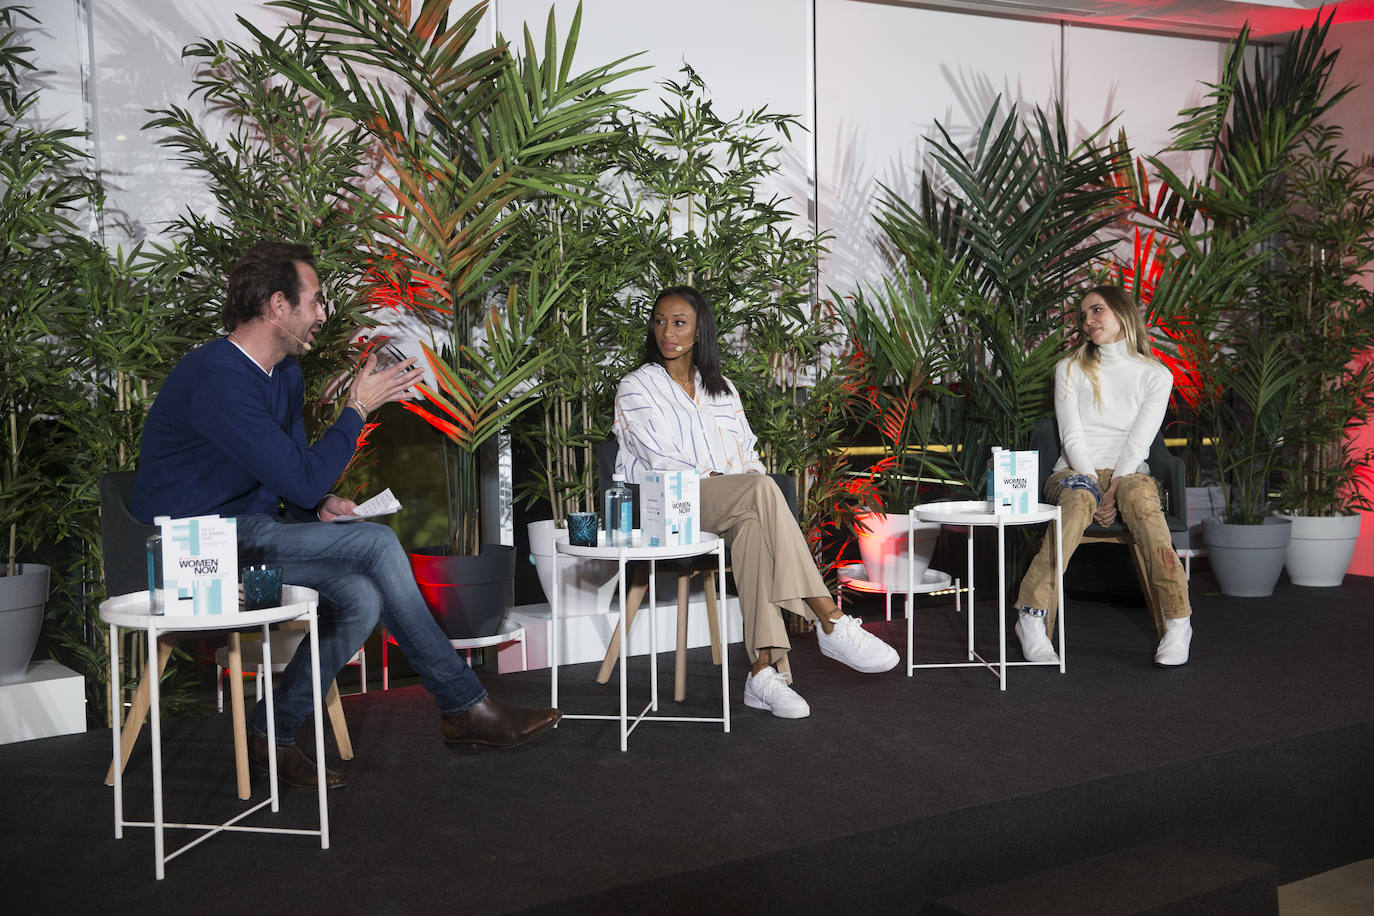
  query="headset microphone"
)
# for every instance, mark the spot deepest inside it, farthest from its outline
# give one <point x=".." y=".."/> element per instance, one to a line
<point x="304" y="343"/>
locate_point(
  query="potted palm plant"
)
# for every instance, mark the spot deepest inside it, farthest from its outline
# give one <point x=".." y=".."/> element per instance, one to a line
<point x="895" y="376"/>
<point x="1251" y="411"/>
<point x="1326" y="317"/>
<point x="463" y="142"/>
<point x="958" y="352"/>
<point x="1276" y="391"/>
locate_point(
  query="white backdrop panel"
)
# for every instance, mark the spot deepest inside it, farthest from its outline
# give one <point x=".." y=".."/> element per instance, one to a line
<point x="1142" y="80"/>
<point x="138" y="66"/>
<point x="885" y="75"/>
<point x="57" y="39"/>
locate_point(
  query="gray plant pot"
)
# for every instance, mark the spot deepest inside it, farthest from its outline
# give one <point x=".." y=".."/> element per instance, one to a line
<point x="468" y="595"/>
<point x="1247" y="559"/>
<point x="21" y="618"/>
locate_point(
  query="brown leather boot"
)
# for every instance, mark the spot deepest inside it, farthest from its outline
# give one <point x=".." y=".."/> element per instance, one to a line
<point x="492" y="723"/>
<point x="293" y="767"/>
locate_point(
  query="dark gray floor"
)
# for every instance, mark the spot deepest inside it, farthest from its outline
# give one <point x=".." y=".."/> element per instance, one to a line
<point x="894" y="792"/>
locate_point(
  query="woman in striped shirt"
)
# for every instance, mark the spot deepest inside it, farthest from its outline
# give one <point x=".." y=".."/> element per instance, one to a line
<point x="678" y="412"/>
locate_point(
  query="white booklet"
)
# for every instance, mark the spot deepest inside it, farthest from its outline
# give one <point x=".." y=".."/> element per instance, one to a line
<point x="384" y="503"/>
<point x="200" y="562"/>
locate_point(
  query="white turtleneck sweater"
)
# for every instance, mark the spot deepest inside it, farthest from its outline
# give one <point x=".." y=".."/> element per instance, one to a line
<point x="1115" y="433"/>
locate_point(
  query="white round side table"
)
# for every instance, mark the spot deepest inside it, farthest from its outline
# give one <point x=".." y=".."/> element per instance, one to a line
<point x="706" y="543"/>
<point x="132" y="612"/>
<point x="973" y="514"/>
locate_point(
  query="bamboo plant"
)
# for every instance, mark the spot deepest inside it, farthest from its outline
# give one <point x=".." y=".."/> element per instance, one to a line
<point x="43" y="188"/>
<point x="959" y="348"/>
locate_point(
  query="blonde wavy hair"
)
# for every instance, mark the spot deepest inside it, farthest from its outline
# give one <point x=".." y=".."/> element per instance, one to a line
<point x="1087" y="357"/>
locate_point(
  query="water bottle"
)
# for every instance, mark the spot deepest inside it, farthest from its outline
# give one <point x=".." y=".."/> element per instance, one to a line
<point x="155" y="589"/>
<point x="619" y="512"/>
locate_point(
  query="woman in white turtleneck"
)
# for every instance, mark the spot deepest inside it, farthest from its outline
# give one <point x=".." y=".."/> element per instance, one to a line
<point x="1110" y="395"/>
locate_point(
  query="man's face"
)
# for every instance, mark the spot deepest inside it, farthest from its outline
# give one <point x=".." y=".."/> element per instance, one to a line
<point x="308" y="315"/>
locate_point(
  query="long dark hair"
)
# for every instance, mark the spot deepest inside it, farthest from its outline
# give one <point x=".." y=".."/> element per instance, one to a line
<point x="706" y="351"/>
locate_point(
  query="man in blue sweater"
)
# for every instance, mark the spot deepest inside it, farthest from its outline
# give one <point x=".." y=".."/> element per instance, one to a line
<point x="226" y="436"/>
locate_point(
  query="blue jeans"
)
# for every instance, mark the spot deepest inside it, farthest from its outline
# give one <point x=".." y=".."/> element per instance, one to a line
<point x="362" y="574"/>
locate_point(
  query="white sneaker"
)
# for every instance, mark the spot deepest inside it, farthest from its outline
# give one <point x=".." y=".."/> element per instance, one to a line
<point x="1035" y="645"/>
<point x="1173" y="648"/>
<point x="851" y="644"/>
<point x="767" y="690"/>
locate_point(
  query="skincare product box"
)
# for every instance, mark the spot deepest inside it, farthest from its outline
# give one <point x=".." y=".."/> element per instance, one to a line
<point x="671" y="512"/>
<point x="200" y="564"/>
<point x="1012" y="480"/>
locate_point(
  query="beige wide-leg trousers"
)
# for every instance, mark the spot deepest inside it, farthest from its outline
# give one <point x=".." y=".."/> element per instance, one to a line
<point x="772" y="566"/>
<point x="1137" y="502"/>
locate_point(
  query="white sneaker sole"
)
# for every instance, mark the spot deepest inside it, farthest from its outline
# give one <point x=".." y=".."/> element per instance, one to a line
<point x="759" y="704"/>
<point x="875" y="668"/>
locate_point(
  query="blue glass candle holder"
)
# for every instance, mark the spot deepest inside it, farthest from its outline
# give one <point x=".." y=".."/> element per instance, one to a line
<point x="582" y="528"/>
<point x="261" y="587"/>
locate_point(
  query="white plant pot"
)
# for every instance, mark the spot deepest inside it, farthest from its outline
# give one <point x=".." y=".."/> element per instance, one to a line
<point x="1321" y="549"/>
<point x="21" y="617"/>
<point x="588" y="586"/>
<point x="884" y="549"/>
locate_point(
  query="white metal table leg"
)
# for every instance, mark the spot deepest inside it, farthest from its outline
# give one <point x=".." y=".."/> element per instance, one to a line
<point x="116" y="715"/>
<point x="1059" y="582"/>
<point x="724" y="639"/>
<point x="321" y="785"/>
<point x="910" y="586"/>
<point x="270" y="698"/>
<point x="1002" y="604"/>
<point x="625" y="656"/>
<point x="155" y="733"/>
<point x="972" y="600"/>
<point x="553" y="626"/>
<point x="653" y="635"/>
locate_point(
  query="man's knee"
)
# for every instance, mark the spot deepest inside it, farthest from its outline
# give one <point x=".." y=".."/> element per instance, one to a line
<point x="381" y="542"/>
<point x="351" y="601"/>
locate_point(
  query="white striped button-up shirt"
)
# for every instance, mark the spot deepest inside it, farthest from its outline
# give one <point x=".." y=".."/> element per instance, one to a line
<point x="660" y="427"/>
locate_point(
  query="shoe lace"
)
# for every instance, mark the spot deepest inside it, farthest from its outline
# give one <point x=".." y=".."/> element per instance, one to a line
<point x="848" y="629"/>
<point x="769" y="683"/>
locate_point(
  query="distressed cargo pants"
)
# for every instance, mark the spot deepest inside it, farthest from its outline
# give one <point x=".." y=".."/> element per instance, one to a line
<point x="1137" y="504"/>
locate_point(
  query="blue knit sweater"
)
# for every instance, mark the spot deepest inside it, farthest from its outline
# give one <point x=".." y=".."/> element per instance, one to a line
<point x="226" y="438"/>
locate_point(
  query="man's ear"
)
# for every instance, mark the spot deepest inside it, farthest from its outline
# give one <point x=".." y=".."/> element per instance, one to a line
<point x="278" y="305"/>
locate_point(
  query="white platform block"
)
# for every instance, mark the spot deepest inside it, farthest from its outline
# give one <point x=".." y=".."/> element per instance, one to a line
<point x="586" y="636"/>
<point x="50" y="699"/>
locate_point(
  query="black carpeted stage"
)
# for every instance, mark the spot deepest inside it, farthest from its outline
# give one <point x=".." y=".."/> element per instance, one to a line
<point x="894" y="793"/>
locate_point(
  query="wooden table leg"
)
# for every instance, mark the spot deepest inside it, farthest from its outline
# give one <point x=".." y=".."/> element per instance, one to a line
<point x="684" y="585"/>
<point x="334" y="707"/>
<point x="139" y="710"/>
<point x="239" y="719"/>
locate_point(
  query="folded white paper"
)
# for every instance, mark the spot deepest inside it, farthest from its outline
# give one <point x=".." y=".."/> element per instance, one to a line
<point x="384" y="503"/>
